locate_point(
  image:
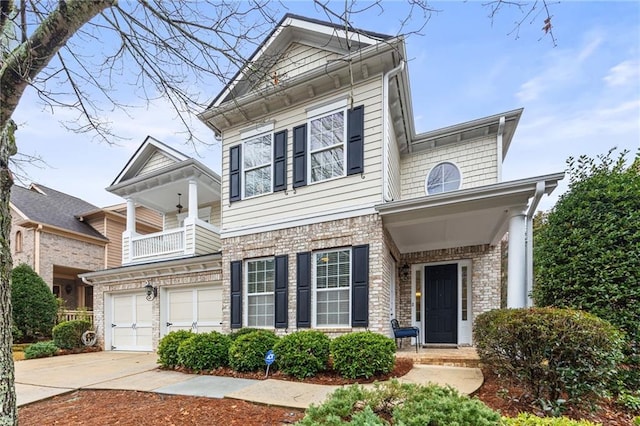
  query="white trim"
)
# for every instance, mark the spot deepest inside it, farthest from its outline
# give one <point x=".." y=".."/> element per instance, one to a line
<point x="426" y="179"/>
<point x="256" y="130"/>
<point x="314" y="289"/>
<point x="293" y="222"/>
<point x="326" y="107"/>
<point x="330" y="111"/>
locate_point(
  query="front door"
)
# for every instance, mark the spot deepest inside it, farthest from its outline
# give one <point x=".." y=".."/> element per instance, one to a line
<point x="441" y="295"/>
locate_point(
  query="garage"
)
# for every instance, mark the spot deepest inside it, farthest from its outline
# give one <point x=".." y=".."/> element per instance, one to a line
<point x="131" y="316"/>
<point x="198" y="309"/>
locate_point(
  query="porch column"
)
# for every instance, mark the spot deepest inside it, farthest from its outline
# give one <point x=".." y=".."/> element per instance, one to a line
<point x="516" y="280"/>
<point x="131" y="216"/>
<point x="193" y="199"/>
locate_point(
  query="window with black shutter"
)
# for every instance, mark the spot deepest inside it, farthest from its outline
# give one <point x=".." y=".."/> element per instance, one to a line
<point x="236" y="294"/>
<point x="280" y="161"/>
<point x="282" y="292"/>
<point x="303" y="292"/>
<point x="235" y="183"/>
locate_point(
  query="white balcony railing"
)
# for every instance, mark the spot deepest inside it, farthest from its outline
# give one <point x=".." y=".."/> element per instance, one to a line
<point x="158" y="244"/>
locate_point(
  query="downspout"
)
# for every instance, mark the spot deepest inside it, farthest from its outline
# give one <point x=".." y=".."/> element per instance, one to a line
<point x="385" y="129"/>
<point x="36" y="249"/>
<point x="499" y="147"/>
<point x="540" y="186"/>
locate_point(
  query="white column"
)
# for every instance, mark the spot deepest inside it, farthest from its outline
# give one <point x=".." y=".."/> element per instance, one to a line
<point x="516" y="280"/>
<point x="529" y="270"/>
<point x="131" y="216"/>
<point x="193" y="199"/>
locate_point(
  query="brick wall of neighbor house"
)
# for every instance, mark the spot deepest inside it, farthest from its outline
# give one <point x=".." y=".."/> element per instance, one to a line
<point x="28" y="238"/>
<point x="485" y="278"/>
<point x="64" y="251"/>
<point x="477" y="161"/>
<point x="174" y="281"/>
<point x="325" y="235"/>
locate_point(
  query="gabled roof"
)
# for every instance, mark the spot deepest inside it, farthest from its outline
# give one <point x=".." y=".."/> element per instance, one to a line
<point x="42" y="205"/>
<point x="150" y="147"/>
<point x="313" y="32"/>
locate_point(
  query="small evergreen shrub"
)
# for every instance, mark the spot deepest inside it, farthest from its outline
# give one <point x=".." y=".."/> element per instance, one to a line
<point x="556" y="355"/>
<point x="527" y="419"/>
<point x="204" y="351"/>
<point x="363" y="354"/>
<point x="168" y="347"/>
<point x="34" y="305"/>
<point x="303" y="353"/>
<point x="247" y="352"/>
<point x="40" y="350"/>
<point x="407" y="404"/>
<point x="241" y="332"/>
<point x="68" y="334"/>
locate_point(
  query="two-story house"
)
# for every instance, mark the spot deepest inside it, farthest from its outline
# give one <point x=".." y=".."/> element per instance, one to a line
<point x="332" y="213"/>
<point x="60" y="236"/>
<point x="338" y="216"/>
<point x="170" y="279"/>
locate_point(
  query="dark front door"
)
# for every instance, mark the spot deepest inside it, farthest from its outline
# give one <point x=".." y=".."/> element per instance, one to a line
<point x="441" y="295"/>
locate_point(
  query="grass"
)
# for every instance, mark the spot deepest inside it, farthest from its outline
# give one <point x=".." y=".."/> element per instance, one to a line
<point x="18" y="351"/>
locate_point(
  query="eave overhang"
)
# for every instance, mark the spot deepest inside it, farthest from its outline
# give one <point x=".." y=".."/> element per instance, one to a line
<point x="467" y="217"/>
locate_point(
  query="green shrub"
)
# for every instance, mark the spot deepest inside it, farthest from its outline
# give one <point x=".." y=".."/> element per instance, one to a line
<point x="407" y="404"/>
<point x="241" y="332"/>
<point x="630" y="401"/>
<point x="552" y="353"/>
<point x="40" y="350"/>
<point x="363" y="354"/>
<point x="34" y="305"/>
<point x="247" y="352"/>
<point x="68" y="334"/>
<point x="168" y="347"/>
<point x="526" y="419"/>
<point x="204" y="351"/>
<point x="303" y="353"/>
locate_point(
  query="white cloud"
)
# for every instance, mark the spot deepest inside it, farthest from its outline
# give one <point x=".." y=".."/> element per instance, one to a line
<point x="626" y="72"/>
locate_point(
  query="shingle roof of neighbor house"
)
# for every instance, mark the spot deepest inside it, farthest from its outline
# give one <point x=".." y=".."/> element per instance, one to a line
<point x="47" y="206"/>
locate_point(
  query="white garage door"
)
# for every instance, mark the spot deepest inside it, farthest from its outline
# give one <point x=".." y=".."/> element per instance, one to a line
<point x="130" y="322"/>
<point x="197" y="309"/>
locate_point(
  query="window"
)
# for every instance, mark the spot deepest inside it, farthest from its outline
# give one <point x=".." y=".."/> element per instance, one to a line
<point x="260" y="292"/>
<point x="327" y="135"/>
<point x="443" y="178"/>
<point x="257" y="165"/>
<point x="18" y="242"/>
<point x="332" y="288"/>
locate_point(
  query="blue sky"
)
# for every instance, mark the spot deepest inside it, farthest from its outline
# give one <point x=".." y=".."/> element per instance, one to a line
<point x="580" y="97"/>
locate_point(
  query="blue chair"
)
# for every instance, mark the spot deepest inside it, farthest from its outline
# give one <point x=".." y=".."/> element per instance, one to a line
<point x="402" y="332"/>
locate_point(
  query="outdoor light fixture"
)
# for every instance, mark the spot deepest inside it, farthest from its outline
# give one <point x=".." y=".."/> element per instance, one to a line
<point x="179" y="206"/>
<point x="405" y="271"/>
<point x="152" y="292"/>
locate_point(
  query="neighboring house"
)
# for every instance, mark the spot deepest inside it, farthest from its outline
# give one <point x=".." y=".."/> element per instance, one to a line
<point x="332" y="212"/>
<point x="180" y="264"/>
<point x="60" y="236"/>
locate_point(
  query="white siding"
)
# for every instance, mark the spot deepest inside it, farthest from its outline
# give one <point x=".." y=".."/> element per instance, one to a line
<point x="297" y="59"/>
<point x="157" y="161"/>
<point x="393" y="166"/>
<point x="476" y="159"/>
<point x="314" y="199"/>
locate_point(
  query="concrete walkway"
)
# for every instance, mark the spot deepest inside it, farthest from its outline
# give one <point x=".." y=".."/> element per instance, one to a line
<point x="43" y="378"/>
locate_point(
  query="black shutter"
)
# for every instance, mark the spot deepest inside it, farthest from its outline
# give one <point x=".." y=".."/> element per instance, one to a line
<point x="300" y="156"/>
<point x="236" y="294"/>
<point x="360" y="286"/>
<point x="303" y="278"/>
<point x="282" y="297"/>
<point x="355" y="140"/>
<point x="235" y="181"/>
<point x="280" y="161"/>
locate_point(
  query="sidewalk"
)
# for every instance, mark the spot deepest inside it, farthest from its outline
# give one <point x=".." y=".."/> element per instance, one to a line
<point x="43" y="378"/>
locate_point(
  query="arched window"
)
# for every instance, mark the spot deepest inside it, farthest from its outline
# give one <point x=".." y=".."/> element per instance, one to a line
<point x="18" y="242"/>
<point x="444" y="177"/>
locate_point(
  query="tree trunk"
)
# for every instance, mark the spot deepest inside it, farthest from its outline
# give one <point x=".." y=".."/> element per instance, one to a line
<point x="8" y="412"/>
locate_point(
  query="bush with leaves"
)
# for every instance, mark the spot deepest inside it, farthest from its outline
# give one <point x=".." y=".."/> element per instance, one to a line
<point x="41" y="350"/>
<point x="241" y="332"/>
<point x="407" y="404"/>
<point x="555" y="355"/>
<point x="168" y="347"/>
<point x="363" y="354"/>
<point x="247" y="352"/>
<point x="204" y="351"/>
<point x="303" y="353"/>
<point x="68" y="334"/>
<point x="526" y="419"/>
<point x="34" y="305"/>
<point x="587" y="249"/>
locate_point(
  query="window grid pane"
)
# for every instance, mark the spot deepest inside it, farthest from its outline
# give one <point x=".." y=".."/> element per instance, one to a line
<point x="443" y="178"/>
<point x="257" y="165"/>
<point x="333" y="281"/>
<point x="326" y="146"/>
<point x="260" y="289"/>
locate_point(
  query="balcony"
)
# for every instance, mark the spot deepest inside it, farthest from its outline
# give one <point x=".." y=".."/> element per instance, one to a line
<point x="196" y="237"/>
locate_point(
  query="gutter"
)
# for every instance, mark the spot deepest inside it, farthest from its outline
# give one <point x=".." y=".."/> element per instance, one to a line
<point x="385" y="128"/>
<point x="499" y="147"/>
<point x="540" y="188"/>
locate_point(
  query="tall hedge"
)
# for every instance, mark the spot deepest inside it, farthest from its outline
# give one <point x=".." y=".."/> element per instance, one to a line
<point x="587" y="251"/>
<point x="34" y="305"/>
